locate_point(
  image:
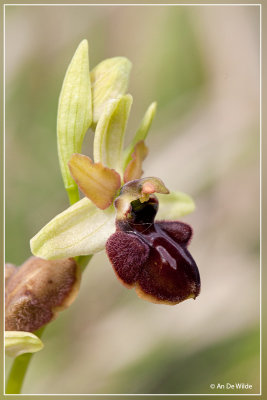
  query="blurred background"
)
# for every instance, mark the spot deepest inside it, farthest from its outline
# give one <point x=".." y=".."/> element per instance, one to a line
<point x="201" y="64"/>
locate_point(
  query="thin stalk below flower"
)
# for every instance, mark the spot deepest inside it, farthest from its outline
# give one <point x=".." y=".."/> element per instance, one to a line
<point x="73" y="194"/>
<point x="18" y="370"/>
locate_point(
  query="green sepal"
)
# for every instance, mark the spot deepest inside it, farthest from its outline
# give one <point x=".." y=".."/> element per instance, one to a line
<point x="81" y="229"/>
<point x="174" y="205"/>
<point x="110" y="131"/>
<point x="74" y="112"/>
<point x="18" y="342"/>
<point x="141" y="133"/>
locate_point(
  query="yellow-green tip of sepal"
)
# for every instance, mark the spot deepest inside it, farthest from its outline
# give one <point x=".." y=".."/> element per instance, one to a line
<point x="74" y="111"/>
<point x="109" y="80"/>
<point x="18" y="342"/>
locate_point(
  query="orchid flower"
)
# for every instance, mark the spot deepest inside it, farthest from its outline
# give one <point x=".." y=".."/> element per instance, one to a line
<point x="119" y="206"/>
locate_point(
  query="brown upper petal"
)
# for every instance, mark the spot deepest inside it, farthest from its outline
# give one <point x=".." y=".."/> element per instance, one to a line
<point x="38" y="290"/>
<point x="134" y="168"/>
<point x="97" y="182"/>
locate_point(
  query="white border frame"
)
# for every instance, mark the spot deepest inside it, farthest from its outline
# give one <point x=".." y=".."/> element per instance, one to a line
<point x="260" y="161"/>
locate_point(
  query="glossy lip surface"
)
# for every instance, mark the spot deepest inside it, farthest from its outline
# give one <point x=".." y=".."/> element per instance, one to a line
<point x="165" y="272"/>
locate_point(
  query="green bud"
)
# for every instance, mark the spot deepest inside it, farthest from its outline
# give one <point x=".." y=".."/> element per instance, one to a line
<point x="18" y="342"/>
<point x="74" y="111"/>
<point x="109" y="80"/>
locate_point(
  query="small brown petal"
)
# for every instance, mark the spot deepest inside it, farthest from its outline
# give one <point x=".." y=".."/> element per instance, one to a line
<point x="134" y="168"/>
<point x="97" y="182"/>
<point x="38" y="291"/>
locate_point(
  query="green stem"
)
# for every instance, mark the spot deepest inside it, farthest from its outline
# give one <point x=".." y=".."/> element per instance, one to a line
<point x="17" y="373"/>
<point x="83" y="261"/>
<point x="73" y="194"/>
<point x="19" y="369"/>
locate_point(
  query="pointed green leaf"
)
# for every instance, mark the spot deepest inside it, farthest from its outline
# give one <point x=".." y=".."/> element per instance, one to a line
<point x="141" y="134"/>
<point x="79" y="230"/>
<point x="109" y="80"/>
<point x="74" y="111"/>
<point x="174" y="205"/>
<point x="110" y="130"/>
<point x="18" y="342"/>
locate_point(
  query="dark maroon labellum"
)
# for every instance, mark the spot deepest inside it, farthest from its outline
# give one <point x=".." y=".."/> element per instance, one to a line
<point x="153" y="256"/>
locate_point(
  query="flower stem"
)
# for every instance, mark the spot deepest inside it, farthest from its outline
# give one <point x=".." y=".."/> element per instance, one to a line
<point x="83" y="261"/>
<point x="19" y="369"/>
<point x="73" y="194"/>
<point x="17" y="373"/>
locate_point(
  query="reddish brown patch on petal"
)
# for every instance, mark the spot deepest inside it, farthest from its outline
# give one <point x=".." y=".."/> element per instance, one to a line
<point x="134" y="168"/>
<point x="127" y="254"/>
<point x="97" y="182"/>
<point x="153" y="185"/>
<point x="148" y="188"/>
<point x="178" y="231"/>
<point x="38" y="290"/>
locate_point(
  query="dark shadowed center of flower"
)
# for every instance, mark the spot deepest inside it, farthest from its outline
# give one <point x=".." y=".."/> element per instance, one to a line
<point x="143" y="213"/>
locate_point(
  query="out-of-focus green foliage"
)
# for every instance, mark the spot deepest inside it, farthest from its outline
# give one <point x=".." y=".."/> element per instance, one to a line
<point x="170" y="369"/>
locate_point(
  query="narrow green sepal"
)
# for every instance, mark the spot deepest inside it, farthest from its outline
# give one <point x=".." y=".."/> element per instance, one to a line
<point x="74" y="112"/>
<point x="81" y="229"/>
<point x="110" y="131"/>
<point x="141" y="134"/>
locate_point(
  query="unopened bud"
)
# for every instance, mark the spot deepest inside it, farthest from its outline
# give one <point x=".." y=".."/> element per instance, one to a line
<point x="38" y="290"/>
